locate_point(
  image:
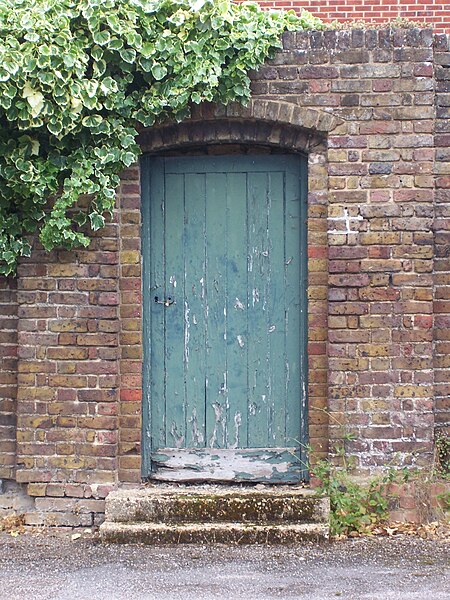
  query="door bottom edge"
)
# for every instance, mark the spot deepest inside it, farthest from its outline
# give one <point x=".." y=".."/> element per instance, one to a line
<point x="246" y="465"/>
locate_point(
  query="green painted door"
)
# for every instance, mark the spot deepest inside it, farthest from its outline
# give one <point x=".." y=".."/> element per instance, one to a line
<point x="224" y="245"/>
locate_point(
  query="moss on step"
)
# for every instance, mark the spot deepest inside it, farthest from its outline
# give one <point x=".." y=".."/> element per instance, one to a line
<point x="264" y="507"/>
<point x="223" y="533"/>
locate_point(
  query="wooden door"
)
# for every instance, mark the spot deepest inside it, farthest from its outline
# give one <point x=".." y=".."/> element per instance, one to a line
<point x="224" y="244"/>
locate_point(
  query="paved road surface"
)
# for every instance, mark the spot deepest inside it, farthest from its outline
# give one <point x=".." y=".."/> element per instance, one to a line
<point x="46" y="568"/>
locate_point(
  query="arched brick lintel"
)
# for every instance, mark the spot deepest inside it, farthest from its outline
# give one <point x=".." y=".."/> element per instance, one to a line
<point x="271" y="122"/>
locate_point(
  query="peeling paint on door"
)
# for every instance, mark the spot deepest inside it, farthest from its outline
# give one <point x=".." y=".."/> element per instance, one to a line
<point x="219" y="431"/>
<point x="177" y="438"/>
<point x="197" y="435"/>
<point x="237" y="424"/>
<point x="238" y="305"/>
<point x="186" y="332"/>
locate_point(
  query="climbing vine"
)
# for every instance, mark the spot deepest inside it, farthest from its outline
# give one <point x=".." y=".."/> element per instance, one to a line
<point x="79" y="77"/>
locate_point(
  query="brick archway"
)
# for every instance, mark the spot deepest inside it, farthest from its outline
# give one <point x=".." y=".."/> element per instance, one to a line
<point x="270" y="122"/>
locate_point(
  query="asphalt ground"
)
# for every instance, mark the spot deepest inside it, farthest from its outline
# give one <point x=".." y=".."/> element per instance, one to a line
<point x="43" y="567"/>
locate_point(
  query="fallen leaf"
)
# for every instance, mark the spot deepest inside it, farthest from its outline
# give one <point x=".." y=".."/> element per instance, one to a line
<point x="12" y="523"/>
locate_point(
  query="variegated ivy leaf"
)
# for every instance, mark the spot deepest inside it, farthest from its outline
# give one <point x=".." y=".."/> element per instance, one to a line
<point x="34" y="98"/>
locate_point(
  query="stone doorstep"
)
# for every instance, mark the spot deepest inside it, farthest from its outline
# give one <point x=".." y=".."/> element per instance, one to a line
<point x="214" y="504"/>
<point x="212" y="533"/>
<point x="215" y="514"/>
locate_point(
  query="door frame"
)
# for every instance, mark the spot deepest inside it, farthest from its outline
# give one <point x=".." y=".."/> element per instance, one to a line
<point x="145" y="174"/>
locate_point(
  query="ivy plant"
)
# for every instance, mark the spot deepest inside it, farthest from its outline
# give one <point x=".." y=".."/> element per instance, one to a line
<point x="78" y="78"/>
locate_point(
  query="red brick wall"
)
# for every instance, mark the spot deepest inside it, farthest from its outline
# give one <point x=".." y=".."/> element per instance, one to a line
<point x="8" y="376"/>
<point x="432" y="12"/>
<point x="363" y="104"/>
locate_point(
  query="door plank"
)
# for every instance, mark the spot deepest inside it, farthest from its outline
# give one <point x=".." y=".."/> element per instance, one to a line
<point x="236" y="308"/>
<point x="175" y="314"/>
<point x="259" y="367"/>
<point x="275" y="307"/>
<point x="216" y="290"/>
<point x="195" y="308"/>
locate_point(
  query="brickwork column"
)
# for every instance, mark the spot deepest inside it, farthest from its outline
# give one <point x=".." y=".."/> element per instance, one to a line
<point x="130" y="336"/>
<point x="8" y="376"/>
<point x="381" y="248"/>
<point x="318" y="275"/>
<point x="442" y="236"/>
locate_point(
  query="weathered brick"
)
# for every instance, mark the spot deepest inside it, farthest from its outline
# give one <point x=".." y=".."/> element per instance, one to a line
<point x="37" y="489"/>
<point x="65" y="353"/>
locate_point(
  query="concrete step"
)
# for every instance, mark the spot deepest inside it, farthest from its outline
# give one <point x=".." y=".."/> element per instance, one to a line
<point x="211" y="533"/>
<point x="208" y="514"/>
<point x="213" y="504"/>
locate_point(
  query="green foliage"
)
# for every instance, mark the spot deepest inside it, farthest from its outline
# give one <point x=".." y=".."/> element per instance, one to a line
<point x="79" y="77"/>
<point x="353" y="507"/>
<point x="444" y="501"/>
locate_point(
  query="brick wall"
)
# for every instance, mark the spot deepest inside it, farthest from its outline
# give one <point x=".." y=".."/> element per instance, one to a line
<point x="363" y="104"/>
<point x="68" y="364"/>
<point x="8" y="376"/>
<point x="380" y="213"/>
<point x="442" y="236"/>
<point x="432" y="12"/>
